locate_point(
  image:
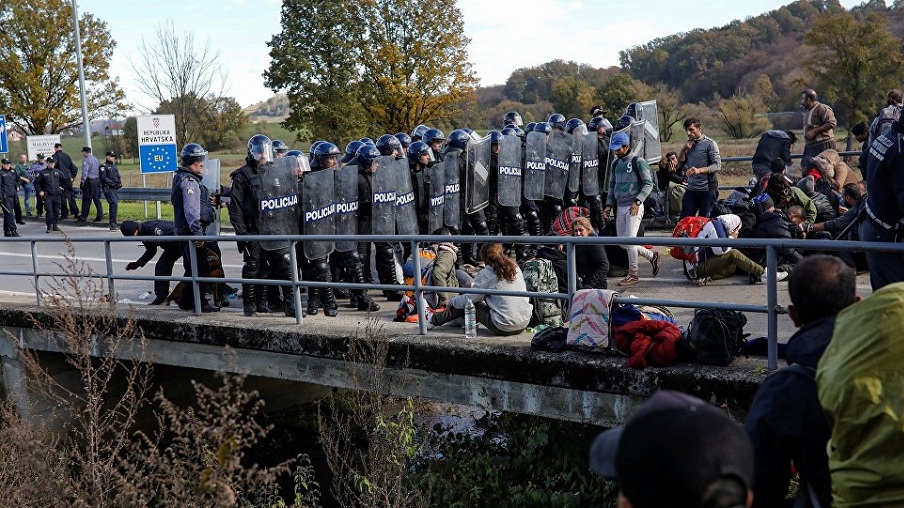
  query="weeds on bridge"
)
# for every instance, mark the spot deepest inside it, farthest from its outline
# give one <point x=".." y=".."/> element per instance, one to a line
<point x="99" y="389"/>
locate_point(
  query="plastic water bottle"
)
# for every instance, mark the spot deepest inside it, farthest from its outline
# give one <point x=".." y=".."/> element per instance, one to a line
<point x="470" y="319"/>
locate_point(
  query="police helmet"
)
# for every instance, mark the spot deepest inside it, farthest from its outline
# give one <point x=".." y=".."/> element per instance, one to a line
<point x="192" y="153"/>
<point x="633" y="110"/>
<point x="520" y="132"/>
<point x="368" y="141"/>
<point x="505" y="132"/>
<point x="512" y="118"/>
<point x="352" y="148"/>
<point x="468" y="130"/>
<point x="417" y="134"/>
<point x="415" y="150"/>
<point x="542" y="127"/>
<point x="324" y="151"/>
<point x="458" y="139"/>
<point x="314" y="146"/>
<point x="623" y="123"/>
<point x="387" y="144"/>
<point x="496" y="136"/>
<point x="572" y="124"/>
<point x="431" y="135"/>
<point x="294" y="153"/>
<point x="598" y="122"/>
<point x="260" y="148"/>
<point x="404" y="139"/>
<point x="557" y="121"/>
<point x="366" y="155"/>
<point x="279" y="147"/>
<point x="530" y="127"/>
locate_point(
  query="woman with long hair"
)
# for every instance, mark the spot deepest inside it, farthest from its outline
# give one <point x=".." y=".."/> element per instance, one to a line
<point x="501" y="315"/>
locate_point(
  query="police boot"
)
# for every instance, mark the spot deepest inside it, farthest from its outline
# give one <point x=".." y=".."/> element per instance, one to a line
<point x="328" y="299"/>
<point x="386" y="270"/>
<point x="261" y="294"/>
<point x="533" y="224"/>
<point x="365" y="302"/>
<point x="288" y="301"/>
<point x="313" y="301"/>
<point x="248" y="301"/>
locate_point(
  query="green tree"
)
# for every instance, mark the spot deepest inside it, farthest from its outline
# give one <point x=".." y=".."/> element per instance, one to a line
<point x="351" y="68"/>
<point x="859" y="61"/>
<point x="620" y="90"/>
<point x="743" y="116"/>
<point x="670" y="110"/>
<point x="39" y="72"/>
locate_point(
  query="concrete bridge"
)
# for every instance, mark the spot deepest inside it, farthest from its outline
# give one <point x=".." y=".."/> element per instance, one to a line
<point x="489" y="372"/>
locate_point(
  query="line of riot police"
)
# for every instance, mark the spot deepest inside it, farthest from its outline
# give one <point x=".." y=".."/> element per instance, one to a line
<point x="511" y="181"/>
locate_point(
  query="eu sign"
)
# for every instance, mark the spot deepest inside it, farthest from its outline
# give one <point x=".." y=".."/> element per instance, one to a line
<point x="157" y="143"/>
<point x="4" y="147"/>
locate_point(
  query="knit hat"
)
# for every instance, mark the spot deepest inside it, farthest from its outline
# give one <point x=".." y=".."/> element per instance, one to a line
<point x="128" y="228"/>
<point x="807" y="184"/>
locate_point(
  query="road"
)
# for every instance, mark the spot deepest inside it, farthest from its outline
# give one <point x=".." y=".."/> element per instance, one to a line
<point x="61" y="258"/>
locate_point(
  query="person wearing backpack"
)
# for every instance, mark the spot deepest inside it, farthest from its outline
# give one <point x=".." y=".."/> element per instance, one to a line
<point x="720" y="262"/>
<point x="630" y="183"/>
<point x="786" y="423"/>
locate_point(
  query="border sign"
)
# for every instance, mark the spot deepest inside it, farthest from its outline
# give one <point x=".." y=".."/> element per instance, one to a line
<point x="4" y="145"/>
<point x="157" y="143"/>
<point x="41" y="144"/>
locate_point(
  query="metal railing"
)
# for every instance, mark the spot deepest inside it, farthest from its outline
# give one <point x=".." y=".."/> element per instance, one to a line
<point x="771" y="308"/>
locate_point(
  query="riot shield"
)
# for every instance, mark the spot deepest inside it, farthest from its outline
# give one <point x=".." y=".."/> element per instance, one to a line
<point x="211" y="180"/>
<point x="319" y="209"/>
<point x="477" y="176"/>
<point x="346" y="199"/>
<point x="590" y="165"/>
<point x="452" y="205"/>
<point x="558" y="163"/>
<point x="435" y="177"/>
<point x="278" y="202"/>
<point x="637" y="136"/>
<point x="535" y="166"/>
<point x="383" y="186"/>
<point x="652" y="148"/>
<point x="406" y="213"/>
<point x="509" y="180"/>
<point x="574" y="171"/>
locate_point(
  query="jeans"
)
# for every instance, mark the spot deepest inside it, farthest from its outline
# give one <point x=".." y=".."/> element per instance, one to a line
<point x="698" y="202"/>
<point x="28" y="190"/>
<point x="627" y="225"/>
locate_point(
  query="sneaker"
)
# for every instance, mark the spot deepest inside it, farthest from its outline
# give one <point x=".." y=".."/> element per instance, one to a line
<point x="700" y="282"/>
<point x="779" y="276"/>
<point x="629" y="280"/>
<point x="657" y="263"/>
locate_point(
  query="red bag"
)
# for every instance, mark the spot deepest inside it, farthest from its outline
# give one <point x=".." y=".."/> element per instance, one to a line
<point x="688" y="227"/>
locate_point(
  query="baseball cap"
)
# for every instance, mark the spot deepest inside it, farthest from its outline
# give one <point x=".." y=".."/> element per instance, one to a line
<point x="619" y="140"/>
<point x="5" y="161"/>
<point x="671" y="450"/>
<point x="111" y="154"/>
<point x="50" y="159"/>
<point x="128" y="228"/>
<point x="40" y="156"/>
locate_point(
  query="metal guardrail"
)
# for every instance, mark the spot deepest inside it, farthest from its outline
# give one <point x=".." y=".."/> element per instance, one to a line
<point x="771" y="308"/>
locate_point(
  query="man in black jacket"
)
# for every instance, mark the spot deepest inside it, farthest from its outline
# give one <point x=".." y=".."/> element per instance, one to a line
<point x="786" y="423"/>
<point x="172" y="251"/>
<point x="8" y="184"/>
<point x="49" y="186"/>
<point x="110" y="182"/>
<point x="64" y="163"/>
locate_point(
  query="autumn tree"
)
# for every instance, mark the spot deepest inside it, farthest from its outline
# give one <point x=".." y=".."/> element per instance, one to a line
<point x="352" y="68"/>
<point x="743" y="116"/>
<point x="859" y="62"/>
<point x="670" y="110"/>
<point x="39" y="71"/>
<point x="618" y="91"/>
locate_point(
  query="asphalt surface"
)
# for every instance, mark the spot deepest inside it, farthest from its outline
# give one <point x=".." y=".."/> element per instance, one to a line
<point x="60" y="258"/>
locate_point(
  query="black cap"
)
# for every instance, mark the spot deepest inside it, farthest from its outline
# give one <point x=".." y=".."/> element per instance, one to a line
<point x="40" y="156"/>
<point x="86" y="149"/>
<point x="5" y="161"/>
<point x="671" y="450"/>
<point x="596" y="109"/>
<point x="58" y="145"/>
<point x="111" y="154"/>
<point x="51" y="159"/>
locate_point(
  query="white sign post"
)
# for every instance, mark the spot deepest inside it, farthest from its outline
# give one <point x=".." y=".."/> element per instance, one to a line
<point x="41" y="145"/>
<point x="156" y="147"/>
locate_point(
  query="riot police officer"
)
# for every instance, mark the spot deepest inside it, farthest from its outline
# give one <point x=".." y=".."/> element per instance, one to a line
<point x="502" y="219"/>
<point x="471" y="223"/>
<point x="434" y="139"/>
<point x="405" y="140"/>
<point x="279" y="148"/>
<point x="530" y="208"/>
<point x="384" y="253"/>
<point x="192" y="212"/>
<point x="244" y="213"/>
<point x="390" y="145"/>
<point x="512" y="118"/>
<point x="418" y="161"/>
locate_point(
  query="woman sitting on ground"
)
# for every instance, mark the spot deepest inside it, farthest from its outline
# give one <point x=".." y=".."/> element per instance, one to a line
<point x="720" y="262"/>
<point x="591" y="260"/>
<point x="501" y="315"/>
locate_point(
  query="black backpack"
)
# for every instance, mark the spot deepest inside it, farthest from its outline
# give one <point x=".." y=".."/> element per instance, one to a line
<point x="715" y="336"/>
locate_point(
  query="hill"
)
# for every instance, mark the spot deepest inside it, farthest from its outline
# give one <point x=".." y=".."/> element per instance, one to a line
<point x="274" y="109"/>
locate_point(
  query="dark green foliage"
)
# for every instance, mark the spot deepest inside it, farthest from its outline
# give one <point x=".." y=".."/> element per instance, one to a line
<point x="516" y="461"/>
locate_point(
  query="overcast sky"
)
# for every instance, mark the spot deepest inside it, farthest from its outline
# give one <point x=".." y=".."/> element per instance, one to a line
<point x="505" y="35"/>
